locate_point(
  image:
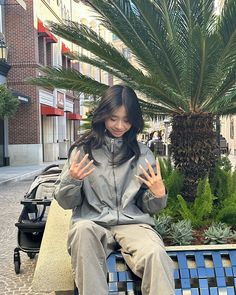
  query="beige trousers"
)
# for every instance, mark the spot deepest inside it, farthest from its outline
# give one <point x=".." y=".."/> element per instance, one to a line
<point x="90" y="244"/>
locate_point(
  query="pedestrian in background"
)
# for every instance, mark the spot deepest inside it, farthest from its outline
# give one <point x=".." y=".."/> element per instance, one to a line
<point x="113" y="185"/>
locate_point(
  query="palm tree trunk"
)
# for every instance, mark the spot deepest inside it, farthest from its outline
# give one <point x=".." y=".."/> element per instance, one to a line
<point x="193" y="148"/>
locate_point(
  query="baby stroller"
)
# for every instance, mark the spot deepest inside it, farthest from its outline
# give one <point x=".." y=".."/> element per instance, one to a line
<point x="32" y="220"/>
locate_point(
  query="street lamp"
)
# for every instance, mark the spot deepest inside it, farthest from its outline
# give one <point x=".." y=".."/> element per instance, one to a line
<point x="3" y="50"/>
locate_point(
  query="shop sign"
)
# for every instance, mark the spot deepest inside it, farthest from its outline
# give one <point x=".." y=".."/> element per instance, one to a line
<point x="60" y="100"/>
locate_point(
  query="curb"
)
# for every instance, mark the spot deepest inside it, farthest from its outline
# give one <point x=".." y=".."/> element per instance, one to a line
<point x="20" y="177"/>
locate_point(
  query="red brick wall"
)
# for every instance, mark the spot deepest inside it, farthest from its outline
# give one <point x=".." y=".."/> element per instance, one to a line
<point x="22" y="41"/>
<point x="24" y="51"/>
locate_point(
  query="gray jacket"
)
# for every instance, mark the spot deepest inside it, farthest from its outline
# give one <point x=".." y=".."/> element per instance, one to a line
<point x="111" y="195"/>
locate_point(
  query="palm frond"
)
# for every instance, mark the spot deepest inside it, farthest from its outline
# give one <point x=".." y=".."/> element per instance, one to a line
<point x="185" y="54"/>
<point x="69" y="79"/>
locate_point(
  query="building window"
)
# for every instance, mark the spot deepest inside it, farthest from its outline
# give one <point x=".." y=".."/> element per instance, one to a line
<point x="41" y="50"/>
<point x="232" y="128"/>
<point x="49" y="54"/>
<point x="126" y="52"/>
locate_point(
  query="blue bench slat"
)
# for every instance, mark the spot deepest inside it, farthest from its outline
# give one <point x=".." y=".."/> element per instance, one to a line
<point x="203" y="283"/>
<point x="232" y="255"/>
<point x="230" y="291"/>
<point x="228" y="271"/>
<point x="182" y="261"/>
<point x="219" y="272"/>
<point x="184" y="273"/>
<point x="217" y="259"/>
<point x="221" y="281"/>
<point x="199" y="258"/>
<point x="193" y="273"/>
<point x="214" y="291"/>
<point x="204" y="291"/>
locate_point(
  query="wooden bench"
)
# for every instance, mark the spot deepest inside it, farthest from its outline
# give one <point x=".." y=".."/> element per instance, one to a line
<point x="199" y="270"/>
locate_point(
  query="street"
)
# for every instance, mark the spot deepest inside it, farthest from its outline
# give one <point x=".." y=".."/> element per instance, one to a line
<point x="10" y="283"/>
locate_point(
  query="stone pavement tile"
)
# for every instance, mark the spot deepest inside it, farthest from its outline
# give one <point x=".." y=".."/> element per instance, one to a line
<point x="10" y="283"/>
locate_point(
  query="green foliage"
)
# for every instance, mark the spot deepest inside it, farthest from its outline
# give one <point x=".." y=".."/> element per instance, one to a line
<point x="163" y="224"/>
<point x="219" y="233"/>
<point x="166" y="167"/>
<point x="223" y="184"/>
<point x="8" y="102"/>
<point x="225" y="164"/>
<point x="174" y="184"/>
<point x="199" y="211"/>
<point x="181" y="233"/>
<point x="227" y="212"/>
<point x="173" y="180"/>
<point x="234" y="181"/>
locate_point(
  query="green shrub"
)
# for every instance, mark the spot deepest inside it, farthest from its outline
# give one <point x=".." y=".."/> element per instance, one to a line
<point x="174" y="183"/>
<point x="198" y="212"/>
<point x="227" y="212"/>
<point x="224" y="163"/>
<point x="223" y="180"/>
<point x="8" y="103"/>
<point x="166" y="167"/>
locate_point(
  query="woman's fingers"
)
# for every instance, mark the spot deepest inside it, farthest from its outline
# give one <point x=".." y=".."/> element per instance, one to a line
<point x="75" y="158"/>
<point x="79" y="169"/>
<point x="143" y="180"/>
<point x="144" y="172"/>
<point x="150" y="168"/>
<point x="89" y="172"/>
<point x="158" y="167"/>
<point x="83" y="169"/>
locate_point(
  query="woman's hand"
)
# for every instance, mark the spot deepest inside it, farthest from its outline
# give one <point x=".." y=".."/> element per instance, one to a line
<point x="79" y="169"/>
<point x="153" y="181"/>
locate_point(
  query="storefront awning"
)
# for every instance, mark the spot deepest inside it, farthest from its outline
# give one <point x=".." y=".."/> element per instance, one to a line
<point x="73" y="116"/>
<point x="43" y="30"/>
<point x="51" y="111"/>
<point x="64" y="48"/>
<point x="51" y="39"/>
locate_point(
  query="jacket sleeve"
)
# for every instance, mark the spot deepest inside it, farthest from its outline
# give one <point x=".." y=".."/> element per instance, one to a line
<point x="68" y="191"/>
<point x="148" y="203"/>
<point x="146" y="200"/>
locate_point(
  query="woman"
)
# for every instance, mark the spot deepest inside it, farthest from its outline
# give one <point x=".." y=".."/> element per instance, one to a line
<point x="113" y="185"/>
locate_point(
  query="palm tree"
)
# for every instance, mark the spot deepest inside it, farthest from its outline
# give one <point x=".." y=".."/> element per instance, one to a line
<point x="186" y="56"/>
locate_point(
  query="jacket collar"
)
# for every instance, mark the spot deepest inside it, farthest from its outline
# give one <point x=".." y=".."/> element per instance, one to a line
<point x="113" y="144"/>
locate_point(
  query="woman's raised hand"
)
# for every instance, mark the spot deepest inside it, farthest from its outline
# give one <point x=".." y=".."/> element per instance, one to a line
<point x="153" y="180"/>
<point x="80" y="169"/>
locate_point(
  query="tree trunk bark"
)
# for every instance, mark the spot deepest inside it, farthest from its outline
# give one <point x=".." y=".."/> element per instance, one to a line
<point x="193" y="148"/>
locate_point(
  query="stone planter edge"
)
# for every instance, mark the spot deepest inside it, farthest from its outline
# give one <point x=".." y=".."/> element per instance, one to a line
<point x="201" y="247"/>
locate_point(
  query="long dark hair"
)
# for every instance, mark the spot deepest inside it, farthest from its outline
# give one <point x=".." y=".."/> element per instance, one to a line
<point x="114" y="97"/>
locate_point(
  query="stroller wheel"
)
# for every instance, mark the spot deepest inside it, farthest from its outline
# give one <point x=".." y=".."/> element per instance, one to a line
<point x="17" y="261"/>
<point x="31" y="255"/>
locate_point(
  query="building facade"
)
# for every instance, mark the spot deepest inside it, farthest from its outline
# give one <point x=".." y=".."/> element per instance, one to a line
<point x="47" y="121"/>
<point x="4" y="69"/>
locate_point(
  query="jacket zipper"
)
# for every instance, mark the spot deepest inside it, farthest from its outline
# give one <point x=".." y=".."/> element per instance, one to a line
<point x="113" y="169"/>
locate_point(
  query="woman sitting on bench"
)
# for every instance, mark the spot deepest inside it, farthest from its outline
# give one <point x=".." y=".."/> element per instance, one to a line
<point x="114" y="186"/>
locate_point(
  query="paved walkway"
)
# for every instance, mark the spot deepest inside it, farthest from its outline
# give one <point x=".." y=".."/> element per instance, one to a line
<point x="16" y="173"/>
